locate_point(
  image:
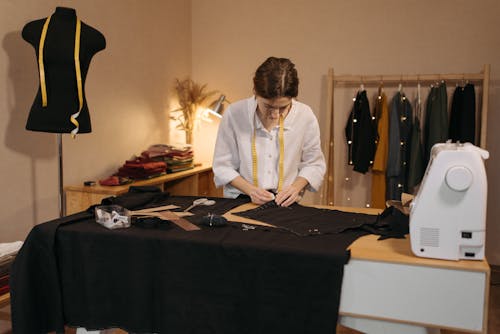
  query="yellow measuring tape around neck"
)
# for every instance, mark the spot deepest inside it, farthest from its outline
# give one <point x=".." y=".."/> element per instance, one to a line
<point x="281" y="158"/>
<point x="41" y="68"/>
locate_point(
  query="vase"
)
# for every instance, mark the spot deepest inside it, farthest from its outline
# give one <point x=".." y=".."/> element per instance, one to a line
<point x="189" y="137"/>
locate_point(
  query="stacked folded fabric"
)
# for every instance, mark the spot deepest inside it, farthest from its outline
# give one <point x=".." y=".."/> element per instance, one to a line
<point x="178" y="158"/>
<point x="8" y="252"/>
<point x="142" y="168"/>
<point x="157" y="160"/>
<point x="157" y="152"/>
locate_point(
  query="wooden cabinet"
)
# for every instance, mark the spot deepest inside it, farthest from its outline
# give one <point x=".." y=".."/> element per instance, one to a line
<point x="194" y="182"/>
<point x="4" y="299"/>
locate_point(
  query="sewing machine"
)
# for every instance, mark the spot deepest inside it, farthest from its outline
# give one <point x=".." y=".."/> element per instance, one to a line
<point x="448" y="214"/>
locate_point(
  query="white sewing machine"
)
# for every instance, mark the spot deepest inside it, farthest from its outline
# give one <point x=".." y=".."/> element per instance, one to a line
<point x="448" y="214"/>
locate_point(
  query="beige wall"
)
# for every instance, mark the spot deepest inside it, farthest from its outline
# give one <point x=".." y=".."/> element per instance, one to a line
<point x="149" y="43"/>
<point x="231" y="38"/>
<point x="128" y="89"/>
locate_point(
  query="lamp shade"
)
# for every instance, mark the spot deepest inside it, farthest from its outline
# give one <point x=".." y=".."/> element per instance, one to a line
<point x="217" y="107"/>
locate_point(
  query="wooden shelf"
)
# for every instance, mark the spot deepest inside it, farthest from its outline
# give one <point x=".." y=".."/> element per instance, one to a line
<point x="193" y="182"/>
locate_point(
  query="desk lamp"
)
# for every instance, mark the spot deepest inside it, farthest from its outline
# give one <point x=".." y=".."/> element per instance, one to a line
<point x="217" y="107"/>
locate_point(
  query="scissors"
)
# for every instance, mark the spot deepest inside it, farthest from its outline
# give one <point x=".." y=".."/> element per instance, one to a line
<point x="200" y="201"/>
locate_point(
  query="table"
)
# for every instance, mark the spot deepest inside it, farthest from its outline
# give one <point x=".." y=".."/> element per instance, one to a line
<point x="387" y="289"/>
<point x="385" y="281"/>
<point x="74" y="272"/>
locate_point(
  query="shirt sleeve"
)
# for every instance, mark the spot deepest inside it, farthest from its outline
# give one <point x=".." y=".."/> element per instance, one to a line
<point x="312" y="166"/>
<point x="225" y="162"/>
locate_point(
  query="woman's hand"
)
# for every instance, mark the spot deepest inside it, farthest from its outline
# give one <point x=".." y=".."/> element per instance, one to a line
<point x="288" y="196"/>
<point x="260" y="196"/>
<point x="292" y="193"/>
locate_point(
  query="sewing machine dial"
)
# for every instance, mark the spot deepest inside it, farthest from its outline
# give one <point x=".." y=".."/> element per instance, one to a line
<point x="458" y="178"/>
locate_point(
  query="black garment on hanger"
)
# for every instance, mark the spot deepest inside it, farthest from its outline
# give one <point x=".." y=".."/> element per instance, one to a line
<point x="463" y="115"/>
<point x="416" y="167"/>
<point x="360" y="134"/>
<point x="60" y="74"/>
<point x="400" y="129"/>
<point x="436" y="119"/>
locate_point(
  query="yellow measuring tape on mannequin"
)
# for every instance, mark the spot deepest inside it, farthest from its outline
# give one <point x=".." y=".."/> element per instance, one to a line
<point x="78" y="79"/>
<point x="41" y="68"/>
<point x="281" y="158"/>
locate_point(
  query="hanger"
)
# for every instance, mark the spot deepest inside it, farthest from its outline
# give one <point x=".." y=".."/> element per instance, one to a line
<point x="380" y="87"/>
<point x="419" y="101"/>
<point x="362" y="85"/>
<point x="439" y="81"/>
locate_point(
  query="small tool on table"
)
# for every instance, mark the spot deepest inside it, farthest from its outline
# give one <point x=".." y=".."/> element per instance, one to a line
<point x="164" y="213"/>
<point x="200" y="201"/>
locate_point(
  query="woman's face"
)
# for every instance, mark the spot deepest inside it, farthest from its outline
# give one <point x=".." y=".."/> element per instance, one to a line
<point x="271" y="109"/>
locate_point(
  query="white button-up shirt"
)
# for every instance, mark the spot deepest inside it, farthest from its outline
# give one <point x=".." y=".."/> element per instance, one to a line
<point x="233" y="149"/>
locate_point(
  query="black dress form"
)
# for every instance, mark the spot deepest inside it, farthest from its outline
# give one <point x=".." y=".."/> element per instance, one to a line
<point x="60" y="74"/>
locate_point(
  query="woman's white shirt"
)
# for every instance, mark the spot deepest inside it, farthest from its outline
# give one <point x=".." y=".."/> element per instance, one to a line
<point x="233" y="149"/>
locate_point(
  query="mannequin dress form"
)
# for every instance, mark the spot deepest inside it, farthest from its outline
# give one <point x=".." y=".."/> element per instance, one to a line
<point x="64" y="47"/>
<point x="60" y="71"/>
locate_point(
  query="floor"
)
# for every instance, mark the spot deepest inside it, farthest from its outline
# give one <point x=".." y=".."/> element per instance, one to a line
<point x="493" y="316"/>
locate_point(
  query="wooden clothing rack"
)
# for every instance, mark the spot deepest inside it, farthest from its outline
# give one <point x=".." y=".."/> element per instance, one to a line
<point x="482" y="79"/>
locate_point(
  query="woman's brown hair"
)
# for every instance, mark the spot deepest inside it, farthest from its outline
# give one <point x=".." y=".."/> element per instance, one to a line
<point x="276" y="77"/>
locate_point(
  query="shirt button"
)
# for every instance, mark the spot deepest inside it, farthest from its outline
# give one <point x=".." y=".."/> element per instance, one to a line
<point x="270" y="156"/>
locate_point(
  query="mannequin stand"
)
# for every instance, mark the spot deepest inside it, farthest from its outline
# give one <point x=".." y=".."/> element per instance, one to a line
<point x="62" y="206"/>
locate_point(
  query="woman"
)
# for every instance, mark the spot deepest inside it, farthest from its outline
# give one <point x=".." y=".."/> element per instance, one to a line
<point x="268" y="146"/>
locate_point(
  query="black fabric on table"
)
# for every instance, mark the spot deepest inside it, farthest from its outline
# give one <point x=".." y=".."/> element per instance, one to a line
<point x="307" y="221"/>
<point x="35" y="290"/>
<point x="138" y="197"/>
<point x="391" y="223"/>
<point x="216" y="280"/>
<point x="221" y="206"/>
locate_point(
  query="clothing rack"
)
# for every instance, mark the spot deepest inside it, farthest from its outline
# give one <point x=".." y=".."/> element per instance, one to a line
<point x="482" y="78"/>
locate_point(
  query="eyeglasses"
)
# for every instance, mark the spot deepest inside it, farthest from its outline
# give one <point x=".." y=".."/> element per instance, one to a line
<point x="269" y="108"/>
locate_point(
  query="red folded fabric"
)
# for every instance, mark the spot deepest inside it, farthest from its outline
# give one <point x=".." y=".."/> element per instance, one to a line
<point x="4" y="289"/>
<point x="145" y="165"/>
<point x="114" y="180"/>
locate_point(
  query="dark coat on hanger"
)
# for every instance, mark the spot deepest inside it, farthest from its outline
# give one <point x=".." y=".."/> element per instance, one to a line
<point x="360" y="134"/>
<point x="436" y="119"/>
<point x="400" y="127"/>
<point x="463" y="115"/>
<point x="416" y="168"/>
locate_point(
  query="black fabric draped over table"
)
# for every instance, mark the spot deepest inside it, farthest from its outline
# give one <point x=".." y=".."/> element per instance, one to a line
<point x="73" y="271"/>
